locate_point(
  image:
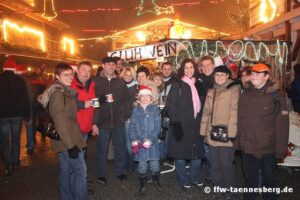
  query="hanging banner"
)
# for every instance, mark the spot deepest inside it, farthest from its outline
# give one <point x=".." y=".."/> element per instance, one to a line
<point x="146" y="52"/>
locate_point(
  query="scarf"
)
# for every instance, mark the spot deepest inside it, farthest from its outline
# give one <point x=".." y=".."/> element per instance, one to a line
<point x="195" y="96"/>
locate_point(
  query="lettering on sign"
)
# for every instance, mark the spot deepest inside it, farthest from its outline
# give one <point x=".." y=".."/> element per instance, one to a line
<point x="146" y="52"/>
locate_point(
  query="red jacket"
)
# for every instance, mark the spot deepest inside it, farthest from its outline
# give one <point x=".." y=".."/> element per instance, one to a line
<point x="84" y="93"/>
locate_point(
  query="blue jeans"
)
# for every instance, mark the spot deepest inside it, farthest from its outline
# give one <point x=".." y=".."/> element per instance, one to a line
<point x="72" y="177"/>
<point x="119" y="148"/>
<point x="163" y="147"/>
<point x="194" y="172"/>
<point x="129" y="163"/>
<point x="207" y="161"/>
<point x="153" y="165"/>
<point x="30" y="134"/>
<point x="10" y="132"/>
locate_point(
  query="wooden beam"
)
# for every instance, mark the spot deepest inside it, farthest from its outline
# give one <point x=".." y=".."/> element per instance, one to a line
<point x="281" y="19"/>
<point x="288" y="38"/>
<point x="296" y="47"/>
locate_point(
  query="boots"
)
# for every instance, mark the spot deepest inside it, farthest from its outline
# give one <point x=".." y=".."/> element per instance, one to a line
<point x="155" y="178"/>
<point x="142" y="180"/>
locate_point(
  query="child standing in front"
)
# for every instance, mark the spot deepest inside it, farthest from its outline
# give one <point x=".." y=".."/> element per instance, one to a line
<point x="144" y="128"/>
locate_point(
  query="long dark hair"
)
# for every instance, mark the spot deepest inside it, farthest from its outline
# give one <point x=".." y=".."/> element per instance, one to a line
<point x="180" y="72"/>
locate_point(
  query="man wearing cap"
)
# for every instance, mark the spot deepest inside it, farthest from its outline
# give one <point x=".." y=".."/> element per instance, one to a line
<point x="14" y="107"/>
<point x="110" y="119"/>
<point x="262" y="130"/>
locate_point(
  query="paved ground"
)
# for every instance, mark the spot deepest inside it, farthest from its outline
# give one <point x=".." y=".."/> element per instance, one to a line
<point x="37" y="179"/>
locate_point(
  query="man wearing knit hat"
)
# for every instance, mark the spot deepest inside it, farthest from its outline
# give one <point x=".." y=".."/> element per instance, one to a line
<point x="263" y="129"/>
<point x="14" y="107"/>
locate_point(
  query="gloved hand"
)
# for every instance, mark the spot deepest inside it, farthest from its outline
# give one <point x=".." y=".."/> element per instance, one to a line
<point x="135" y="147"/>
<point x="73" y="152"/>
<point x="147" y="144"/>
<point x="177" y="131"/>
<point x="232" y="139"/>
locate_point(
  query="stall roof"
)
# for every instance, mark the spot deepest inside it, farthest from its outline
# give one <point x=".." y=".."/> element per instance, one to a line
<point x="198" y="32"/>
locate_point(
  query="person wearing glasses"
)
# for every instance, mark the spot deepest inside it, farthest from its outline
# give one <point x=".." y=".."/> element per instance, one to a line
<point x="60" y="99"/>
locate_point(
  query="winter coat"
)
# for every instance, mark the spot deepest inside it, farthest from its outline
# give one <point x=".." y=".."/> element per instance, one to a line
<point x="263" y="121"/>
<point x="133" y="90"/>
<point x="145" y="124"/>
<point x="180" y="110"/>
<point x="224" y="112"/>
<point x="61" y="100"/>
<point x="84" y="93"/>
<point x="14" y="101"/>
<point x="294" y="94"/>
<point x="114" y="114"/>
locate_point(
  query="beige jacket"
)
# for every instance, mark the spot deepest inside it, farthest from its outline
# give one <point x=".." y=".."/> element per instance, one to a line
<point x="63" y="109"/>
<point x="225" y="112"/>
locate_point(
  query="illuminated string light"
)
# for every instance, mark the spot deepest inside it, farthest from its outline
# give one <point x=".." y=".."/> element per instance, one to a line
<point x="263" y="7"/>
<point x="99" y="30"/>
<point x="155" y="9"/>
<point x="68" y="43"/>
<point x="143" y="26"/>
<point x="280" y="54"/>
<point x="25" y="29"/>
<point x="49" y="17"/>
<point x="100" y="9"/>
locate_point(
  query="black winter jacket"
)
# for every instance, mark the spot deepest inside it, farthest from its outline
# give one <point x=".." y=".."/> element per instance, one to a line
<point x="180" y="110"/>
<point x="14" y="101"/>
<point x="112" y="115"/>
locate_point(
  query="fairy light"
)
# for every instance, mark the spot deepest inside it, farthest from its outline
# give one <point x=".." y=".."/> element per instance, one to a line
<point x="53" y="10"/>
<point x="262" y="14"/>
<point x="155" y="9"/>
<point x="141" y="36"/>
<point x="280" y="52"/>
<point x="7" y="25"/>
<point x="68" y="43"/>
<point x="143" y="26"/>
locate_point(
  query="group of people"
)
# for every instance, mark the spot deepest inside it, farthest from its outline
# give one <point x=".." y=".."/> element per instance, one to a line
<point x="199" y="115"/>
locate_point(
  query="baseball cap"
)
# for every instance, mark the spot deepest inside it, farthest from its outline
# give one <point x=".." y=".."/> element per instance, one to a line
<point x="260" y="68"/>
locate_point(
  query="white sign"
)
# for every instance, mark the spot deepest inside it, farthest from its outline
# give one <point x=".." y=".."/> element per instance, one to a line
<point x="146" y="52"/>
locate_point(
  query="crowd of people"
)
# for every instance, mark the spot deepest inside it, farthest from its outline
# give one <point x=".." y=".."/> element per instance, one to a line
<point x="198" y="116"/>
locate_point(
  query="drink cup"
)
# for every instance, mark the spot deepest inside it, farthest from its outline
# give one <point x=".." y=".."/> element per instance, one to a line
<point x="110" y="98"/>
<point x="96" y="103"/>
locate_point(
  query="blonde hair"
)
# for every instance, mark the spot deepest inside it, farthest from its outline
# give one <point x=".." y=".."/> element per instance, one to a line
<point x="129" y="69"/>
<point x="157" y="74"/>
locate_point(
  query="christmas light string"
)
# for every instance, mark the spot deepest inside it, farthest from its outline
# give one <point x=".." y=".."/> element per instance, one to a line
<point x="280" y="53"/>
<point x="155" y="9"/>
<point x="117" y="9"/>
<point x="54" y="13"/>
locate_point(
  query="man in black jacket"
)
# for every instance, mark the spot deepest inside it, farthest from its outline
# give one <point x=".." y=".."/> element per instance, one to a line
<point x="206" y="81"/>
<point x="110" y="118"/>
<point x="14" y="107"/>
<point x="169" y="79"/>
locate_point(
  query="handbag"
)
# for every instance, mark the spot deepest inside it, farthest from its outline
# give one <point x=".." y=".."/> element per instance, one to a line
<point x="48" y="127"/>
<point x="218" y="133"/>
<point x="50" y="130"/>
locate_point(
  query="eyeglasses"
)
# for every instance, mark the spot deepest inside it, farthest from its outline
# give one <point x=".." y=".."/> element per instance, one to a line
<point x="67" y="75"/>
